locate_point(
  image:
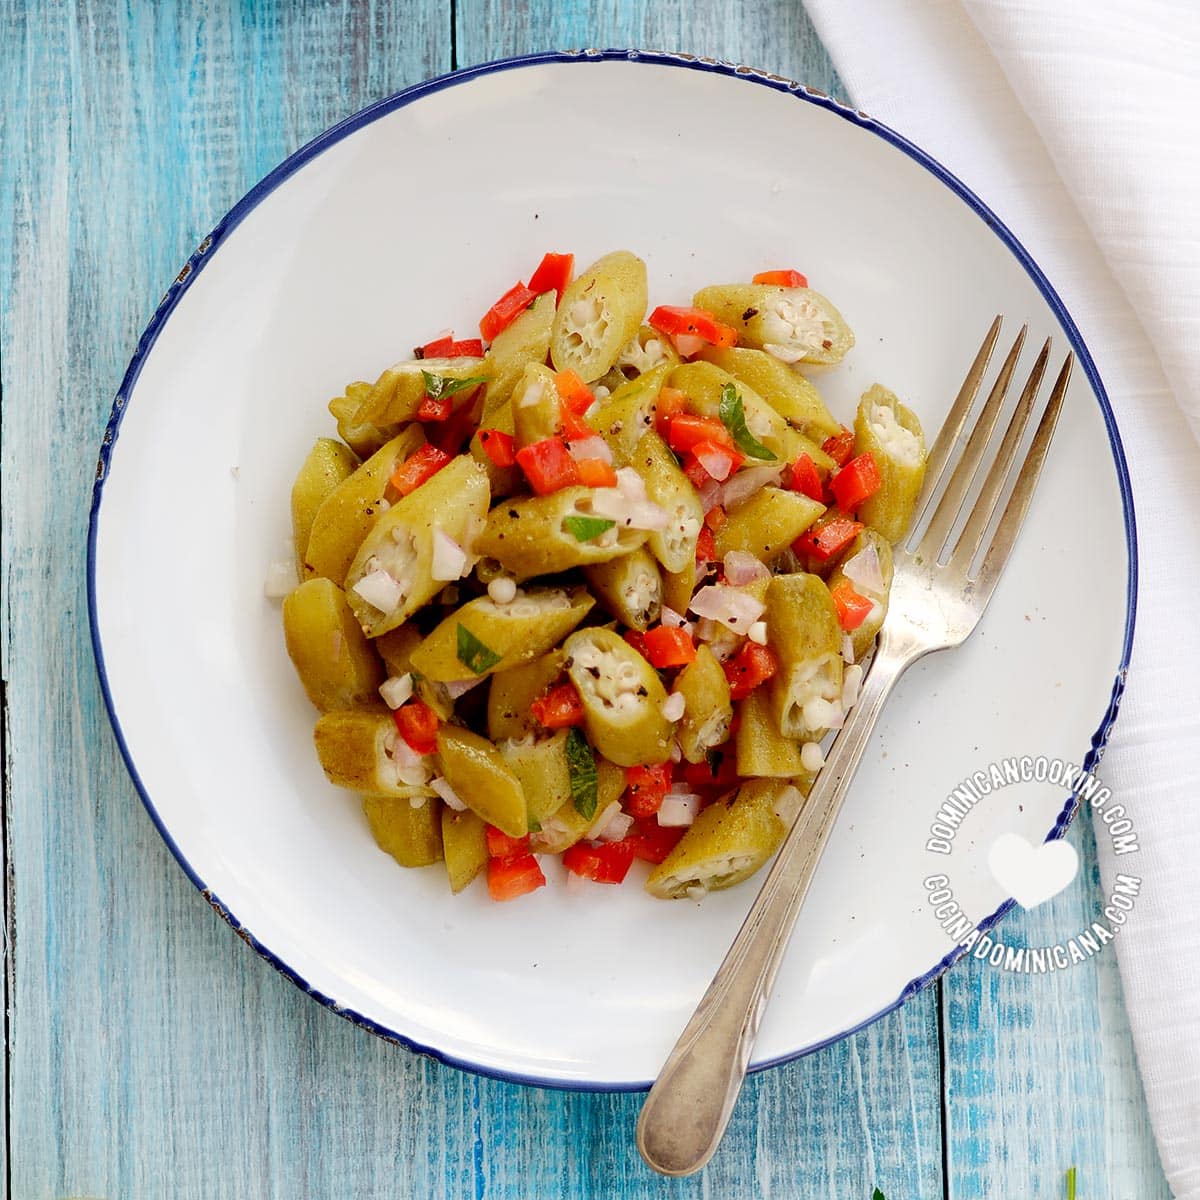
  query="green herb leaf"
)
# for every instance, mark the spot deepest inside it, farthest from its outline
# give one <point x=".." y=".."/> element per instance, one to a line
<point x="733" y="417"/>
<point x="1071" y="1184"/>
<point x="438" y="387"/>
<point x="878" y="1195"/>
<point x="586" y="528"/>
<point x="581" y="764"/>
<point x="473" y="654"/>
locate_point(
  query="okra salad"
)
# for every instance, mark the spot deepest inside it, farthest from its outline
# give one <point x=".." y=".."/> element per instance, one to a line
<point x="594" y="584"/>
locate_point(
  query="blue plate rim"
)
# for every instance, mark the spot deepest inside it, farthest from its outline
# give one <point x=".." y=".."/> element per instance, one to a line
<point x="402" y="99"/>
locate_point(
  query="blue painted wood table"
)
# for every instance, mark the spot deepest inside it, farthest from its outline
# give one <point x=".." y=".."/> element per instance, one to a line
<point x="149" y="1053"/>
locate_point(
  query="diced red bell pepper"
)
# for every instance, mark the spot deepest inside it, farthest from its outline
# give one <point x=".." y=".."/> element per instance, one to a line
<point x="717" y="772"/>
<point x="434" y="410"/>
<point x="548" y="466"/>
<point x="785" y="278"/>
<point x="454" y="433"/>
<point x="670" y="403"/>
<point x="840" y="447"/>
<point x="574" y="427"/>
<point x="706" y="546"/>
<point x="803" y="477"/>
<point x="750" y="666"/>
<point x="715" y="518"/>
<point x="857" y="481"/>
<point x="447" y="347"/>
<point x="852" y="609"/>
<point x="646" y="787"/>
<point x="698" y="477"/>
<point x="509" y="878"/>
<point x="559" y="708"/>
<point x="669" y="646"/>
<point x="573" y="392"/>
<point x="718" y="461"/>
<point x="552" y="275"/>
<point x="418" y="725"/>
<point x="499" y="446"/>
<point x="829" y="536"/>
<point x="608" y="862"/>
<point x="692" y="322"/>
<point x="637" y="641"/>
<point x="419" y="466"/>
<point x="687" y="430"/>
<point x="652" y="842"/>
<point x="502" y="845"/>
<point x="595" y="472"/>
<point x="506" y="310"/>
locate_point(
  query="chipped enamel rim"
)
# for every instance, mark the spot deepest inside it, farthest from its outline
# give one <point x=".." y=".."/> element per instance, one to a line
<point x="402" y="99"/>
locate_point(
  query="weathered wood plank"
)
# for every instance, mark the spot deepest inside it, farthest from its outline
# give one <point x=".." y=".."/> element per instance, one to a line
<point x="151" y="1054"/>
<point x="1040" y="1074"/>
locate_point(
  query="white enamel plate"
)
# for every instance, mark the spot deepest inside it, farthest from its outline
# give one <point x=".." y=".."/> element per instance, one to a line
<point x="415" y="215"/>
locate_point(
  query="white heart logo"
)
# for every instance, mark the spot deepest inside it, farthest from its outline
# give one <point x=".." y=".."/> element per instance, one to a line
<point x="1032" y="874"/>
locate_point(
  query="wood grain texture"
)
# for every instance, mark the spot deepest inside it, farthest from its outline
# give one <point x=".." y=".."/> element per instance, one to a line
<point x="1040" y="1073"/>
<point x="150" y="1053"/>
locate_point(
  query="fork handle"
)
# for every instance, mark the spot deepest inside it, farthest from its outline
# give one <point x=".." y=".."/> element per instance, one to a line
<point x="688" y="1108"/>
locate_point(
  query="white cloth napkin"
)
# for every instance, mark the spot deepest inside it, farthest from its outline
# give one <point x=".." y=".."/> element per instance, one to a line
<point x="1078" y="121"/>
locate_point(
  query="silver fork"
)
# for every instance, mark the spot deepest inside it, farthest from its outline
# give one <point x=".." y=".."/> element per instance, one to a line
<point x="932" y="607"/>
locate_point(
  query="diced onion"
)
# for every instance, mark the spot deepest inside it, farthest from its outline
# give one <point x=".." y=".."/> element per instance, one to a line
<point x="618" y="826"/>
<point x="735" y="609"/>
<point x="747" y="483"/>
<point x="688" y="344"/>
<point x="717" y="461"/>
<point x="742" y="567"/>
<point x="628" y="513"/>
<point x="281" y="579"/>
<point x="449" y="558"/>
<point x="380" y="590"/>
<point x="847" y="648"/>
<point x="710" y="494"/>
<point x="758" y="633"/>
<point x="671" y="618"/>
<point x="864" y="571"/>
<point x="851" y="683"/>
<point x="590" y="447"/>
<point x="674" y="706"/>
<point x="631" y="484"/>
<point x="396" y="690"/>
<point x="676" y="752"/>
<point x="812" y="757"/>
<point x="597" y="827"/>
<point x="447" y="793"/>
<point x="460" y="687"/>
<point x="677" y="810"/>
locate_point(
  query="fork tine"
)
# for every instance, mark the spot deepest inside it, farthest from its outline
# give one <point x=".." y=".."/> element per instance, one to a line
<point x="989" y="496"/>
<point x="951" y="499"/>
<point x="952" y="426"/>
<point x="1018" y="503"/>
